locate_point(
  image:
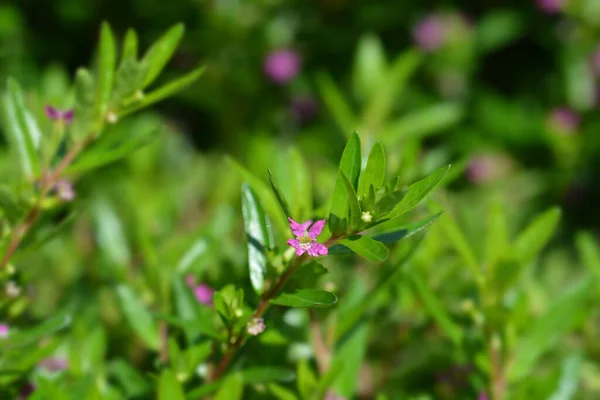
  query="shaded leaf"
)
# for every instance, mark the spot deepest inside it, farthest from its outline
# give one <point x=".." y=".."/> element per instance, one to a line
<point x="363" y="246"/>
<point x="350" y="166"/>
<point x="303" y="298"/>
<point x="418" y="190"/>
<point x="256" y="227"/>
<point x="279" y="195"/>
<point x="160" y="53"/>
<point x="533" y="238"/>
<point x="391" y="235"/>
<point x="27" y="338"/>
<point x="263" y="375"/>
<point x="138" y="317"/>
<point x="355" y="220"/>
<point x="589" y="252"/>
<point x="336" y="103"/>
<point x="85" y="102"/>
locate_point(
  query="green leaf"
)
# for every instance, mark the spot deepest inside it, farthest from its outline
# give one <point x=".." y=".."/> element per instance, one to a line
<point x="370" y="66"/>
<point x="9" y="205"/>
<point x="497" y="242"/>
<point x="257" y="233"/>
<point x="301" y="185"/>
<point x="418" y="190"/>
<point x="262" y="375"/>
<point x="138" y="317"/>
<point x="161" y="52"/>
<point x="461" y="245"/>
<point x="567" y="312"/>
<point x="279" y="195"/>
<point x="304" y="298"/>
<point x="264" y="193"/>
<point x="85" y="101"/>
<point x="164" y="91"/>
<point x="22" y="129"/>
<point x="392" y="233"/>
<point x="169" y="388"/>
<point x="499" y="28"/>
<point x="232" y="388"/>
<point x="336" y="103"/>
<point x="435" y="308"/>
<point x="422" y="123"/>
<point x="355" y="220"/>
<point x="387" y="203"/>
<point x="389" y="88"/>
<point x="129" y="378"/>
<point x="281" y="393"/>
<point x="589" y="252"/>
<point x="351" y="354"/>
<point x="350" y="166"/>
<point x="32" y="335"/>
<point x="130" y="46"/>
<point x="364" y="246"/>
<point x="307" y="380"/>
<point x="106" y="69"/>
<point x="128" y="81"/>
<point x="533" y="238"/>
<point x="569" y="378"/>
<point x="374" y="173"/>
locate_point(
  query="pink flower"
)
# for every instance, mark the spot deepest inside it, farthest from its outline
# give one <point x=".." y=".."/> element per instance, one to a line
<point x="281" y="66"/>
<point x="204" y="294"/>
<point x="3" y="330"/>
<point x="54" y="364"/>
<point x="482" y="396"/>
<point x="429" y="34"/>
<point x="57" y="115"/>
<point x="488" y="167"/>
<point x="564" y="120"/>
<point x="64" y="190"/>
<point x="550" y="6"/>
<point x="305" y="240"/>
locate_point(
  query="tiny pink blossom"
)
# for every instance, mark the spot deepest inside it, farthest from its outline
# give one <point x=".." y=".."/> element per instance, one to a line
<point x="429" y="34"/>
<point x="64" y="190"/>
<point x="305" y="241"/>
<point x="281" y="66"/>
<point x="204" y="294"/>
<point x="482" y="396"/>
<point x="54" y="364"/>
<point x="563" y="120"/>
<point x="59" y="115"/>
<point x="550" y="6"/>
<point x="3" y="330"/>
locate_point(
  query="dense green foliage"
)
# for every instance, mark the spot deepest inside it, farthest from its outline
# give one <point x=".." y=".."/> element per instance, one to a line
<point x="154" y="240"/>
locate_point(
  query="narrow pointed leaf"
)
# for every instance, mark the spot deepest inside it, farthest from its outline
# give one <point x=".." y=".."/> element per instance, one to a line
<point x="138" y="317"/>
<point x="36" y="333"/>
<point x="256" y="227"/>
<point x="364" y="246"/>
<point x="350" y="166"/>
<point x="418" y="190"/>
<point x="130" y="46"/>
<point x="563" y="315"/>
<point x="336" y="103"/>
<point x="301" y="185"/>
<point x="533" y="239"/>
<point x="374" y="173"/>
<point x="106" y="69"/>
<point x="164" y="91"/>
<point x="304" y="298"/>
<point x="169" y="387"/>
<point x="355" y="220"/>
<point x="435" y="308"/>
<point x="262" y="375"/>
<point x="85" y="101"/>
<point x="160" y="52"/>
<point x="392" y="233"/>
<point x="369" y="67"/>
<point x="21" y="129"/>
<point x="279" y="195"/>
<point x="589" y="252"/>
<point x="232" y="388"/>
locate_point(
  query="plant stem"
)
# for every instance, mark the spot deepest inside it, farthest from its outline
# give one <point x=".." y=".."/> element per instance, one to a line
<point x="48" y="184"/>
<point x="263" y="306"/>
<point x="498" y="384"/>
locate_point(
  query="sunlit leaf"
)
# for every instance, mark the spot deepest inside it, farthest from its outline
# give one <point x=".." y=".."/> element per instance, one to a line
<point x="537" y="234"/>
<point x="106" y="69"/>
<point x="161" y="52"/>
<point x="418" y="190"/>
<point x="138" y="317"/>
<point x="374" y="173"/>
<point x="350" y="166"/>
<point x="304" y="298"/>
<point x="169" y="388"/>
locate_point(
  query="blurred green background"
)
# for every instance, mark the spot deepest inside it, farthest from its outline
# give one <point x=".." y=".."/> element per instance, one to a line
<point x="505" y="90"/>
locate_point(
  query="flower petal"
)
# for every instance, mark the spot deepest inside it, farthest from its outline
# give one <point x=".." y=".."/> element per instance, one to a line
<point x="299" y="229"/>
<point x="67" y="116"/>
<point x="319" y="249"/>
<point x="316" y="229"/>
<point x="300" y="251"/>
<point x="294" y="243"/>
<point x="52" y="112"/>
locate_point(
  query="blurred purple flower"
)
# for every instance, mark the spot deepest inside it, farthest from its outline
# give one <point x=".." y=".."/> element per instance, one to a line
<point x="283" y="65"/>
<point x="57" y="115"/>
<point x="303" y="109"/>
<point x="563" y="120"/>
<point x="595" y="60"/>
<point x="305" y="241"/>
<point x="331" y="395"/>
<point x="482" y="396"/>
<point x="550" y="6"/>
<point x="3" y="330"/>
<point x="429" y="33"/>
<point x="54" y="364"/>
<point x="64" y="190"/>
<point x="204" y="294"/>
<point x="485" y="168"/>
